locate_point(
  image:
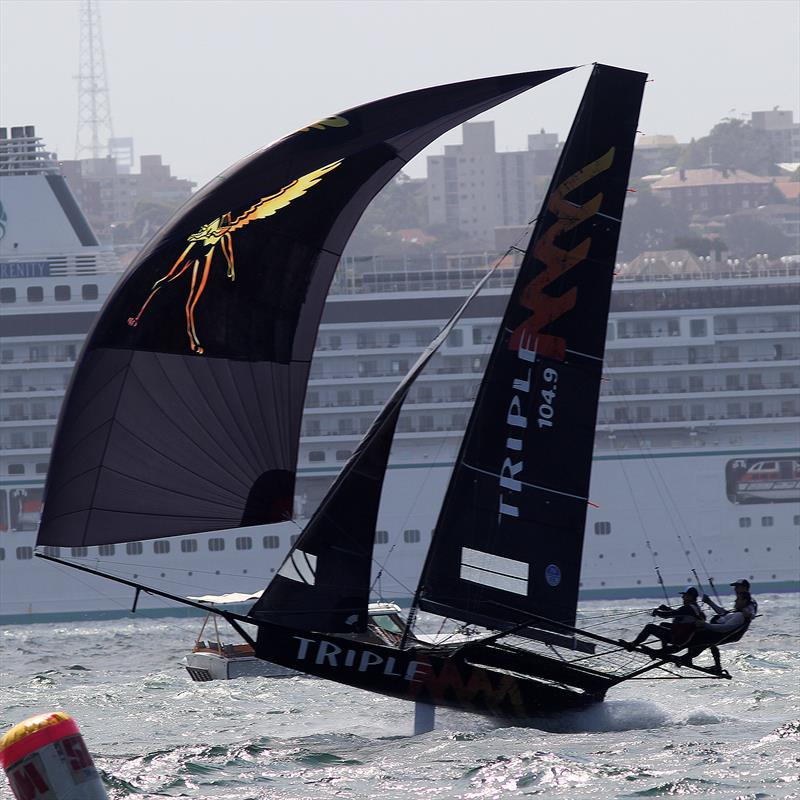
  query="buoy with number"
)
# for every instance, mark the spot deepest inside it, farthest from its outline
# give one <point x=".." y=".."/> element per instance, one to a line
<point x="45" y="758"/>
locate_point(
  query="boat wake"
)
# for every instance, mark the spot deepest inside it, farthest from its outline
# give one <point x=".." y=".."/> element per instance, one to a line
<point x="623" y="715"/>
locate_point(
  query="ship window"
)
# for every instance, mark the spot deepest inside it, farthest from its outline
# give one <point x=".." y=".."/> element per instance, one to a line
<point x="51" y="551"/>
<point x="602" y="528"/>
<point x="24" y="553"/>
<point x="698" y="327"/>
<point x="343" y="455"/>
<point x="381" y="537"/>
<point x="35" y="294"/>
<point x="344" y="397"/>
<point x="63" y="292"/>
<point x="188" y="545"/>
<point x="271" y="542"/>
<point x="89" y="291"/>
<point x="456" y="338"/>
<point x="366" y="397"/>
<point x="79" y="552"/>
<point x="313" y="429"/>
<point x="216" y="544"/>
<point x="106" y="550"/>
<point x="335" y="342"/>
<point x="394" y="340"/>
<point x="8" y="295"/>
<point x="244" y="543"/>
<point x="767" y="522"/>
<point x="161" y="547"/>
<point x="41" y="469"/>
<point x="411" y="536"/>
<point x="316" y="455"/>
<point x="16" y="469"/>
<point x="745" y="522"/>
<point x="133" y="548"/>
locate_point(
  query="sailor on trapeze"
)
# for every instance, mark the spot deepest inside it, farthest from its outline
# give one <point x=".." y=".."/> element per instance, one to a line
<point x="691" y="631"/>
<point x="726" y="626"/>
<point x="674" y="635"/>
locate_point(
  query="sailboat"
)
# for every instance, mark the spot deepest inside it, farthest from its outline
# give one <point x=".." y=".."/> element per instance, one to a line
<point x="184" y="411"/>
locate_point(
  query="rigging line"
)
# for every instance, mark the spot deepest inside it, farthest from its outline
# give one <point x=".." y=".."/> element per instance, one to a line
<point x="412" y="615"/>
<point x="643" y="527"/>
<point x="234" y="465"/>
<point x="670" y="506"/>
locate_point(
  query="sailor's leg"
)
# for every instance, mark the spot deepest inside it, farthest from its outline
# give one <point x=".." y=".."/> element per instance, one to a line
<point x="717" y="660"/>
<point x="661" y="632"/>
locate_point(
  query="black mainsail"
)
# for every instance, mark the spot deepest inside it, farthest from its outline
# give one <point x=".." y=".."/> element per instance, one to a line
<point x="508" y="542"/>
<point x="184" y="410"/>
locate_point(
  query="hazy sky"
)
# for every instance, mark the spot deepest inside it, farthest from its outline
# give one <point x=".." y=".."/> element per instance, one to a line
<point x="204" y="82"/>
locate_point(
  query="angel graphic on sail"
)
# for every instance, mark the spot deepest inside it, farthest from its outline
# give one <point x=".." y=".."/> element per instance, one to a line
<point x="219" y="232"/>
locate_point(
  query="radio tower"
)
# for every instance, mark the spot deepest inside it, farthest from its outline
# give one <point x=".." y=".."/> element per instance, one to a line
<point x="94" y="106"/>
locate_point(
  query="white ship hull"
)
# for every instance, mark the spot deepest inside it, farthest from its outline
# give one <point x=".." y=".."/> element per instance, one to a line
<point x="676" y="501"/>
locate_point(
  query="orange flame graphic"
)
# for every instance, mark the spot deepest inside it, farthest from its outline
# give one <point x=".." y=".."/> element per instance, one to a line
<point x="219" y="232"/>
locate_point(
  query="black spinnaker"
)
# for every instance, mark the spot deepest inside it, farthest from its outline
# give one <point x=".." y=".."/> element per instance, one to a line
<point x="184" y="410"/>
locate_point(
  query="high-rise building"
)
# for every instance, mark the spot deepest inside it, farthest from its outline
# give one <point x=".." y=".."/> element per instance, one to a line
<point x="474" y="188"/>
<point x="783" y="131"/>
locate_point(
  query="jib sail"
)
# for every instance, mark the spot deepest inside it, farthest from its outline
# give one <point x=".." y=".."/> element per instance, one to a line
<point x="184" y="410"/>
<point x="508" y="542"/>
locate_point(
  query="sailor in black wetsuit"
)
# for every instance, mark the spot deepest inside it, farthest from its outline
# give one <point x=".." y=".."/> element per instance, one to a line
<point x="676" y="634"/>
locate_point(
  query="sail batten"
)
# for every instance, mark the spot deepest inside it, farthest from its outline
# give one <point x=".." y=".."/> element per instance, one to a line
<point x="199" y="361"/>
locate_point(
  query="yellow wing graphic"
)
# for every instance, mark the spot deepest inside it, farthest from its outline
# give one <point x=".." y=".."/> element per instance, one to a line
<point x="265" y="207"/>
<point x="218" y="232"/>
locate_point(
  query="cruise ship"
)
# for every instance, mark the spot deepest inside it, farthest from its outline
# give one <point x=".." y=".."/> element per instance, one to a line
<point x="697" y="452"/>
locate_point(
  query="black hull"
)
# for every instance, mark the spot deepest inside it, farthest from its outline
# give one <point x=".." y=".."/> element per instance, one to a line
<point x="488" y="680"/>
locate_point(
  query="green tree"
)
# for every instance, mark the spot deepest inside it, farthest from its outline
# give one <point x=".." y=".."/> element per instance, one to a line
<point x="748" y="235"/>
<point x="732" y="143"/>
<point x="650" y="224"/>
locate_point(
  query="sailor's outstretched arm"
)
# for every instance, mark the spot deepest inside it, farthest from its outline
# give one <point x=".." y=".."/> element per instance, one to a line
<point x="717" y="609"/>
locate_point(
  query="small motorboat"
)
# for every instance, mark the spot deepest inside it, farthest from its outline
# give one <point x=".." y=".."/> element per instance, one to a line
<point x="213" y="658"/>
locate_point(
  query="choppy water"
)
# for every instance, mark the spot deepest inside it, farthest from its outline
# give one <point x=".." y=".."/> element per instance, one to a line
<point x="155" y="734"/>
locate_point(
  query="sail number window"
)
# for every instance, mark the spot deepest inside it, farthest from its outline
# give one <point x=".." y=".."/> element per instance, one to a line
<point x="244" y="543"/>
<point x="79" y="552"/>
<point x="133" y="548"/>
<point x="381" y="537"/>
<point x="411" y="536"/>
<point x="161" y="547"/>
<point x="106" y="550"/>
<point x="216" y="544"/>
<point x="24" y="553"/>
<point x="188" y="546"/>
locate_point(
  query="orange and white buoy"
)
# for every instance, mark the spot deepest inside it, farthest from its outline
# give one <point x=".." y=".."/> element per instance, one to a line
<point x="45" y="758"/>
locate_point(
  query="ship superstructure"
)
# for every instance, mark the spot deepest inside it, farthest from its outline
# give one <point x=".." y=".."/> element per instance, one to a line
<point x="697" y="458"/>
